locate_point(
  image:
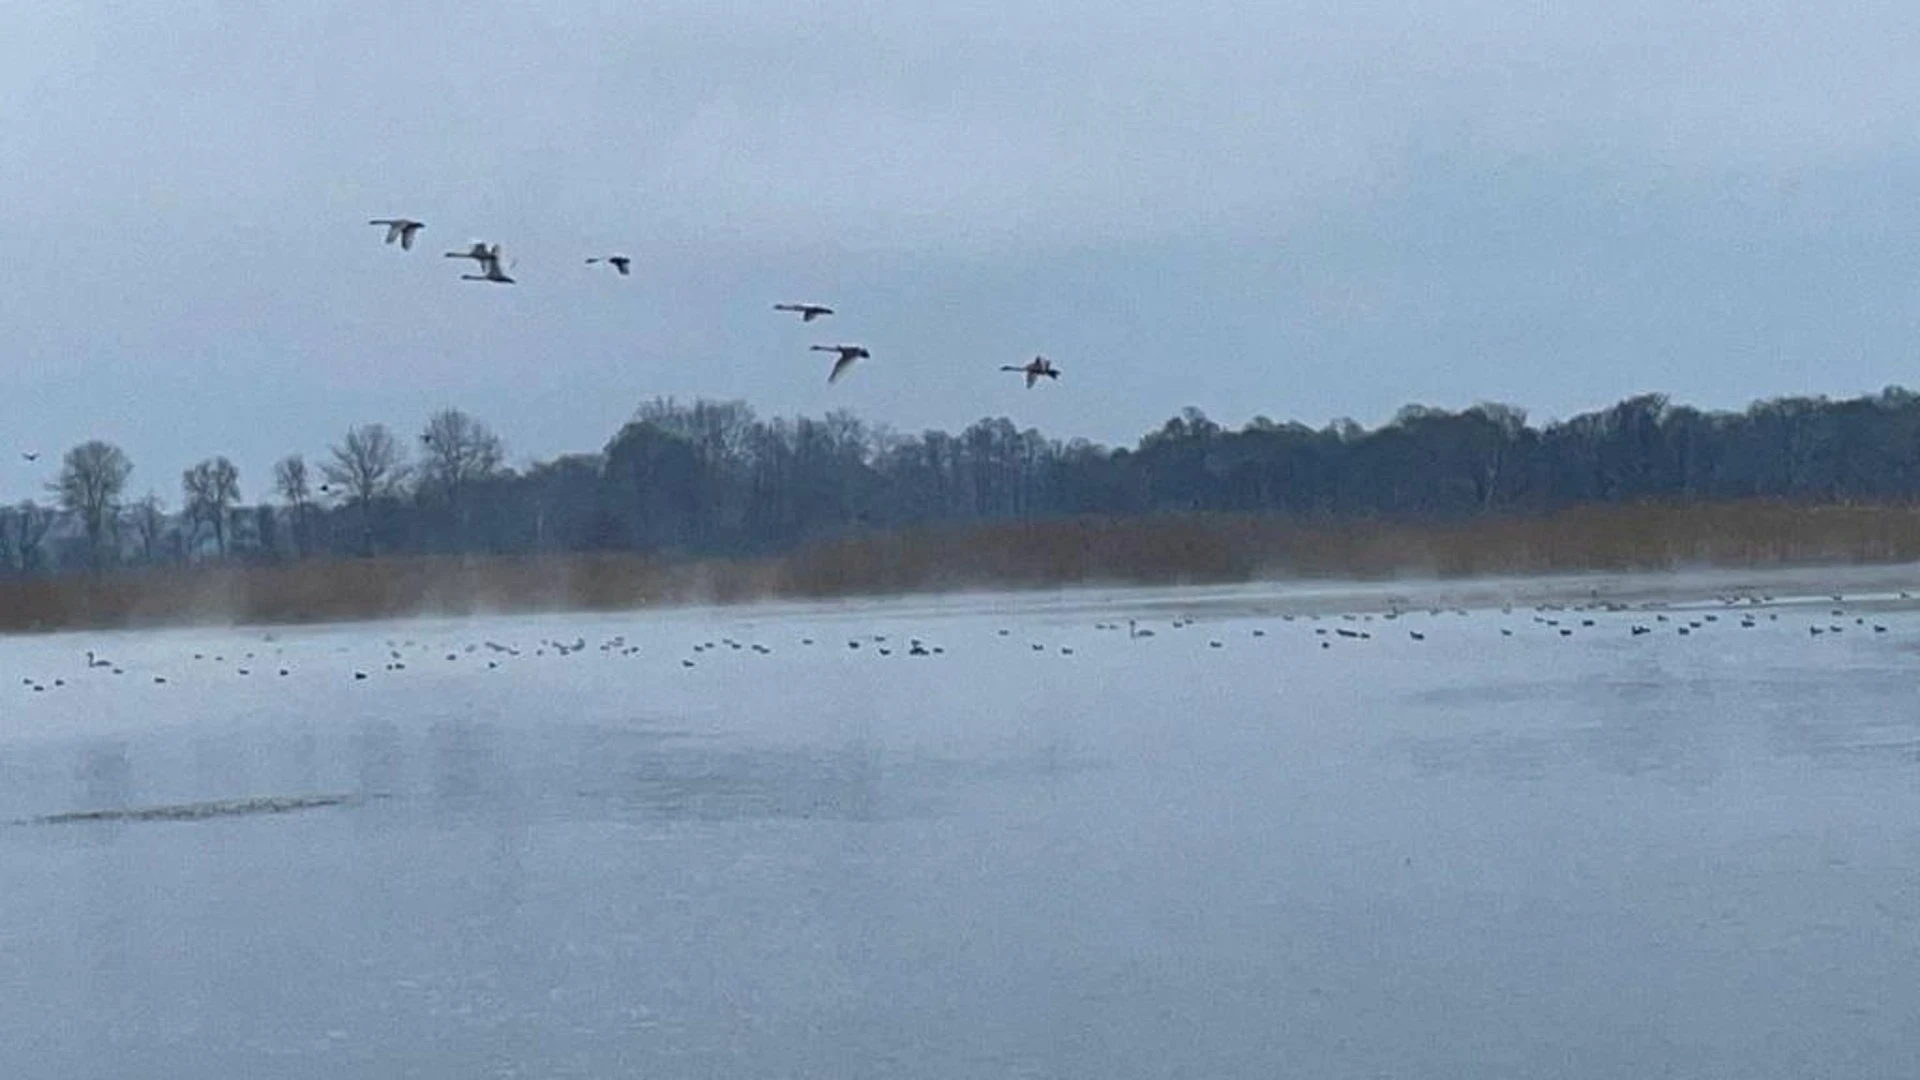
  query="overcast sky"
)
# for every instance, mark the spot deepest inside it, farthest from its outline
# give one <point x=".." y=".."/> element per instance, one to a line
<point x="1303" y="210"/>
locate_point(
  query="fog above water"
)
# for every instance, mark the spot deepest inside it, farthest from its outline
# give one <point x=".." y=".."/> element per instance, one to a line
<point x="1296" y="852"/>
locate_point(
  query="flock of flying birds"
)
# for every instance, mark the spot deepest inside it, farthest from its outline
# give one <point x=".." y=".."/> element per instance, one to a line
<point x="493" y="267"/>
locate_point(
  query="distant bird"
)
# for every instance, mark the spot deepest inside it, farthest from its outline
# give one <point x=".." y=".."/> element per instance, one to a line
<point x="426" y="438"/>
<point x="619" y="262"/>
<point x="30" y="455"/>
<point x="401" y="229"/>
<point x="807" y="312"/>
<point x="848" y="354"/>
<point x="493" y="273"/>
<point x="488" y="256"/>
<point x="478" y="252"/>
<point x="1034" y="368"/>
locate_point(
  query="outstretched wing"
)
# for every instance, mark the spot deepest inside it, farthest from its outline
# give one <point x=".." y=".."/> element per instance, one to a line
<point x="841" y="365"/>
<point x="1032" y="377"/>
<point x="406" y="235"/>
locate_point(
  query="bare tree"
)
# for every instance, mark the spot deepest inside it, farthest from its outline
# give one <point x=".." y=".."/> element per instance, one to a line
<point x="26" y="527"/>
<point x="149" y="526"/>
<point x="457" y="450"/>
<point x="266" y="532"/>
<point x="210" y="488"/>
<point x="290" y="480"/>
<point x="367" y="465"/>
<point x="92" y="476"/>
<point x="21" y="530"/>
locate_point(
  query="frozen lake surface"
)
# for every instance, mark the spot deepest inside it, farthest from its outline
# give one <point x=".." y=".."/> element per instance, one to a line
<point x="1274" y="841"/>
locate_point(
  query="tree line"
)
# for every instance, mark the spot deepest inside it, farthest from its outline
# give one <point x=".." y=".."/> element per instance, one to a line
<point x="714" y="479"/>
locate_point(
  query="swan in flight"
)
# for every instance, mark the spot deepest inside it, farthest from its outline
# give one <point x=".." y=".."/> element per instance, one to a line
<point x="848" y="354"/>
<point x="807" y="312"/>
<point x="1034" y="368"/>
<point x="488" y="256"/>
<point x="30" y="455"/>
<point x="493" y="273"/>
<point x="619" y="262"/>
<point x="401" y="229"/>
<point x="478" y="251"/>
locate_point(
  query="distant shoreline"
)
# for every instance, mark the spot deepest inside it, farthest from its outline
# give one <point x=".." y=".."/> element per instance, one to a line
<point x="1056" y="554"/>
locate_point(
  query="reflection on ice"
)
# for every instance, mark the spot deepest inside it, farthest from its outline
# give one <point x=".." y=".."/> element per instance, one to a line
<point x="198" y="811"/>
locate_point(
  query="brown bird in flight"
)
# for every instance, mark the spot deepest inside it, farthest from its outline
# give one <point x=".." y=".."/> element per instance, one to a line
<point x="807" y="312"/>
<point x="848" y="354"/>
<point x="1034" y="368"/>
<point x="619" y="262"/>
<point x="401" y="229"/>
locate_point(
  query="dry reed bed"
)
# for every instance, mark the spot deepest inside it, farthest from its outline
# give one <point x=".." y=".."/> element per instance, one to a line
<point x="1158" y="550"/>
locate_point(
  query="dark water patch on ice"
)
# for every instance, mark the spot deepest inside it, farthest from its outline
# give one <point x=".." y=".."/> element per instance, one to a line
<point x="707" y="784"/>
<point x="198" y="811"/>
<point x="1497" y="754"/>
<point x="856" y="783"/>
<point x="1477" y="695"/>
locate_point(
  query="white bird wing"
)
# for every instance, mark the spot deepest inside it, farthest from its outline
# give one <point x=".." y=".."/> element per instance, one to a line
<point x="841" y="365"/>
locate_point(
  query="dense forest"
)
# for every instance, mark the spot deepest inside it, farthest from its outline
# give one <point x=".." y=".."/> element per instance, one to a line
<point x="713" y="479"/>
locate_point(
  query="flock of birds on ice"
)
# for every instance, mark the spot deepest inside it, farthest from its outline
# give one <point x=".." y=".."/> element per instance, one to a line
<point x="492" y="266"/>
<point x="268" y="657"/>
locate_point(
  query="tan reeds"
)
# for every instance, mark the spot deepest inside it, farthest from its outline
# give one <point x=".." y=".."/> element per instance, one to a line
<point x="1150" y="550"/>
